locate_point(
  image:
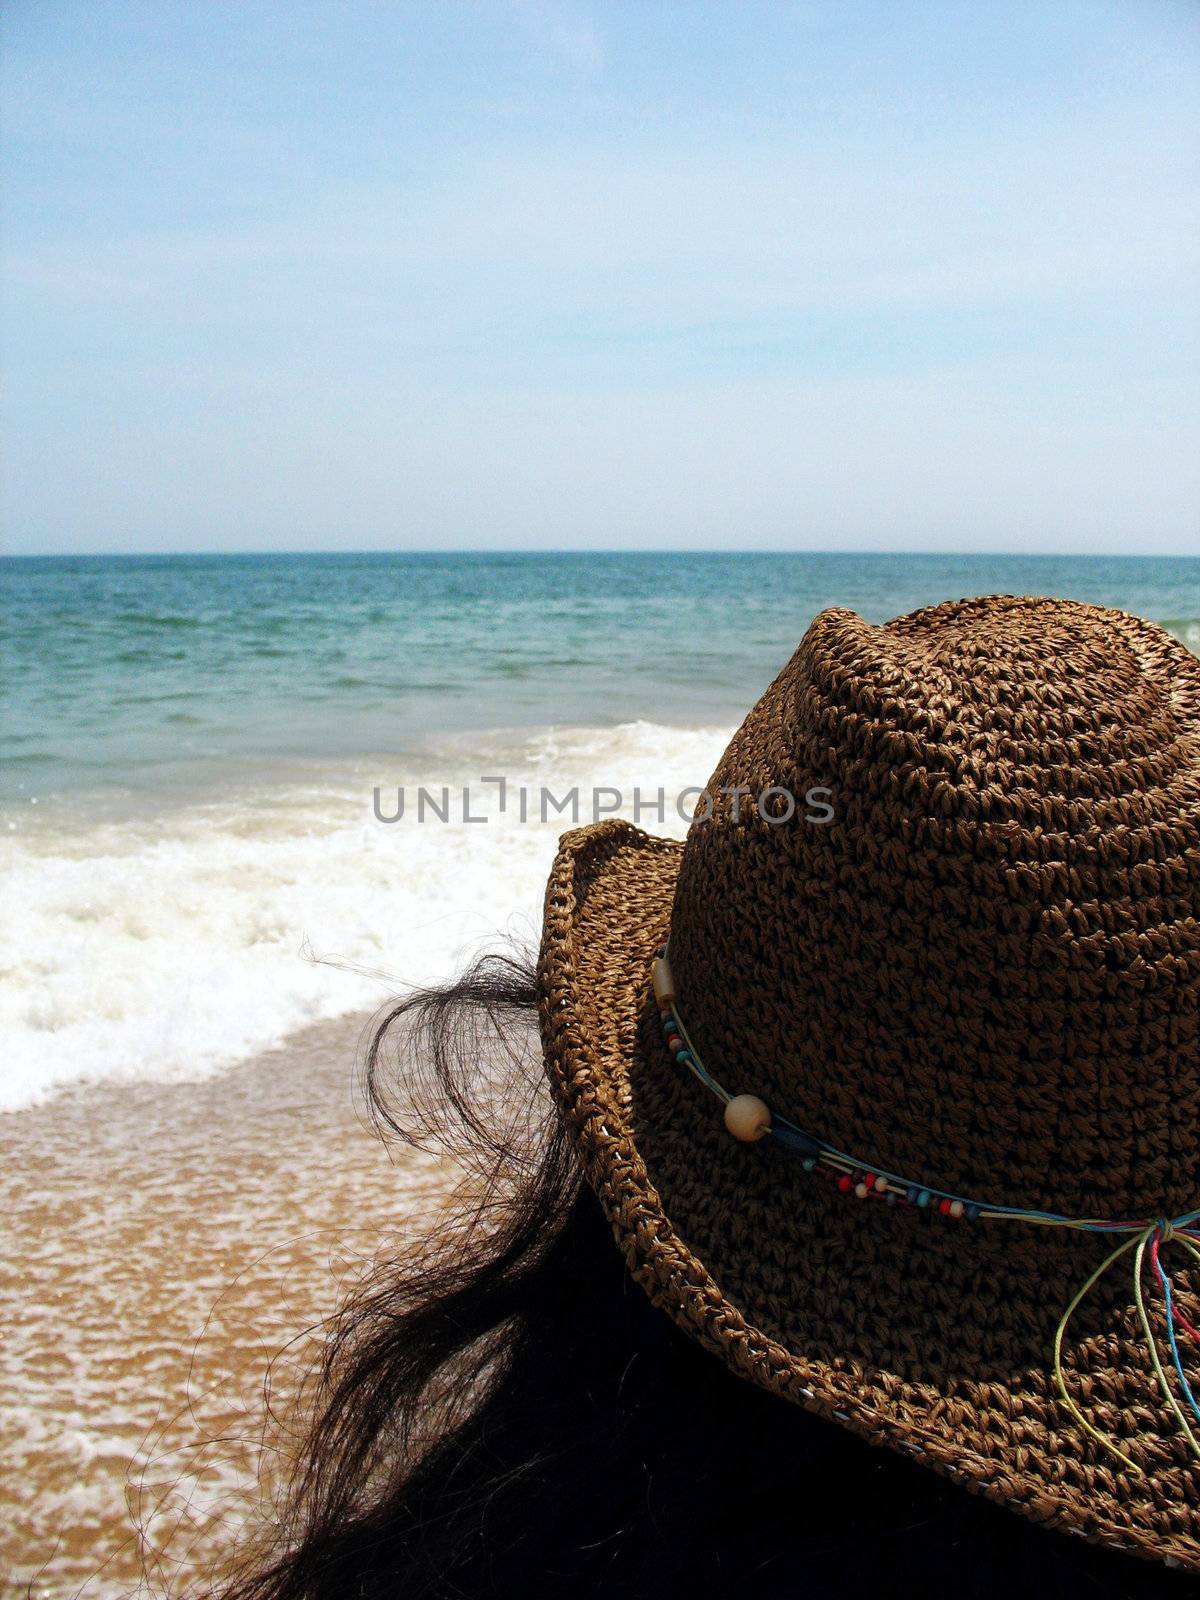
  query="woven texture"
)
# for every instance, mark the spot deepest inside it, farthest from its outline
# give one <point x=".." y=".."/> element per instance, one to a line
<point x="983" y="974"/>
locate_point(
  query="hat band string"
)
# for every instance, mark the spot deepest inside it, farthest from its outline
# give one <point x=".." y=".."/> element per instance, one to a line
<point x="748" y="1118"/>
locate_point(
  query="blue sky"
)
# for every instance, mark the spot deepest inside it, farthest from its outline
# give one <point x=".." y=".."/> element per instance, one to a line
<point x="835" y="275"/>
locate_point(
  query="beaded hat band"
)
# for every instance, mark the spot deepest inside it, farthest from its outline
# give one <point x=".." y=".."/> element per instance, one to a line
<point x="750" y="1119"/>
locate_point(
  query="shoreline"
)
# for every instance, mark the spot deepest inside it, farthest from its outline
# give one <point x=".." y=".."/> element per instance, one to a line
<point x="168" y="1240"/>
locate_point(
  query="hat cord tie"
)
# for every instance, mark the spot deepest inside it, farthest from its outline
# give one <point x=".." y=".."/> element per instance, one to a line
<point x="748" y="1118"/>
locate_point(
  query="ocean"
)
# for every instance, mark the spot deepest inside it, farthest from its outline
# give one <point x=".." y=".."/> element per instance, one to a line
<point x="194" y="860"/>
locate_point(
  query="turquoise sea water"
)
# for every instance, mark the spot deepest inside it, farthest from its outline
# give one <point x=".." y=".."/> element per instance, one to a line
<point x="191" y="746"/>
<point x="156" y="673"/>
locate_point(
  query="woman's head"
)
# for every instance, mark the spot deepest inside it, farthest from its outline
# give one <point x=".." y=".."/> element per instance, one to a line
<point x="506" y="1412"/>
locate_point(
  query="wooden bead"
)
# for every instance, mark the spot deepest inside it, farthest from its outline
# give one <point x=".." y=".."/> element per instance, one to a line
<point x="747" y="1117"/>
<point x="664" y="985"/>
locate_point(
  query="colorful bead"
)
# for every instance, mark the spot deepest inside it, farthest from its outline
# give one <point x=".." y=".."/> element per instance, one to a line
<point x="674" y="1042"/>
<point x="881" y="1182"/>
<point x="747" y="1117"/>
<point x="861" y="1190"/>
<point x="845" y="1183"/>
<point x="956" y="1208"/>
<point x="924" y="1197"/>
<point x="809" y="1163"/>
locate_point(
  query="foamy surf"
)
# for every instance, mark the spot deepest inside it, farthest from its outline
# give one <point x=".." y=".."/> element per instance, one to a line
<point x="171" y="946"/>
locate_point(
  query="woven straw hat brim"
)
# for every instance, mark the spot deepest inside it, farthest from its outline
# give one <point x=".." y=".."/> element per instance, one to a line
<point x="916" y="1332"/>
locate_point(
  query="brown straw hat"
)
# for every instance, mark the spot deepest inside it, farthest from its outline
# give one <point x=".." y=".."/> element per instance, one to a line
<point x="971" y="1003"/>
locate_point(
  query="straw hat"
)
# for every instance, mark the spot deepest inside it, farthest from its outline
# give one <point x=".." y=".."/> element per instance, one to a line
<point x="912" y="1074"/>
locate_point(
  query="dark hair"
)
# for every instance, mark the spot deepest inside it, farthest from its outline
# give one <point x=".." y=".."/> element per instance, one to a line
<point x="504" y="1412"/>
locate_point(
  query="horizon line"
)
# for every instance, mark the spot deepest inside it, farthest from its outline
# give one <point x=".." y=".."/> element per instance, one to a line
<point x="597" y="550"/>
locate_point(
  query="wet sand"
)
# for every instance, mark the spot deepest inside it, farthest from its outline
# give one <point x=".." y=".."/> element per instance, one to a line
<point x="162" y="1244"/>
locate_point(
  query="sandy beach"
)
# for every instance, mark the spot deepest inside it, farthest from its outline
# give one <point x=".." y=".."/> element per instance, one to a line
<point x="164" y="1245"/>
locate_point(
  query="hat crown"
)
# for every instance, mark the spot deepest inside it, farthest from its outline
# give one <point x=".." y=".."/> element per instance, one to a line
<point x="983" y="973"/>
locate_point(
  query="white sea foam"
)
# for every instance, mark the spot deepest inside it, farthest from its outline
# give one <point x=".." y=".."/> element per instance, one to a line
<point x="172" y="946"/>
